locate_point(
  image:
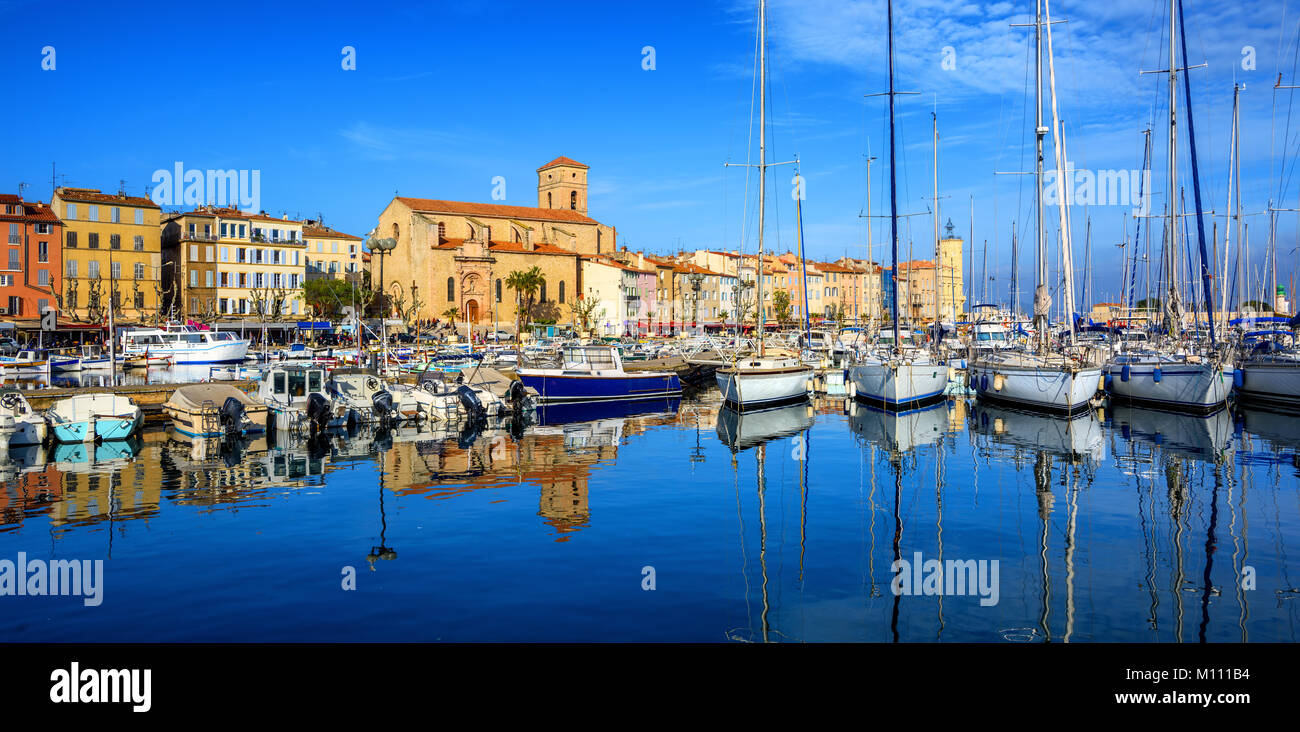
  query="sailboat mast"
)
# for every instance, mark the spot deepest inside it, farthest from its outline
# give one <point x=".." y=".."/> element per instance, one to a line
<point x="893" y="181"/>
<point x="1207" y="279"/>
<point x="762" y="168"/>
<point x="938" y="262"/>
<point x="1171" y="248"/>
<point x="1042" y="303"/>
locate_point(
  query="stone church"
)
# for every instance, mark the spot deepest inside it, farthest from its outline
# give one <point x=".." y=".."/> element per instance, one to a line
<point x="459" y="254"/>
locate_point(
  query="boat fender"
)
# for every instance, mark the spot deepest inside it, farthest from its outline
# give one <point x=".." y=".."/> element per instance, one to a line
<point x="1108" y="382"/>
<point x="998" y="381"/>
<point x="1157" y="374"/>
<point x="1238" y="378"/>
<point x="984" y="382"/>
<point x="1125" y="373"/>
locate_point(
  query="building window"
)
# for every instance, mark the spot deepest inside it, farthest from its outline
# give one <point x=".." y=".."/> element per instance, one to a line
<point x="225" y="253"/>
<point x="92" y="270"/>
<point x="498" y="289"/>
<point x="194" y="278"/>
<point x="15" y="259"/>
<point x="72" y="268"/>
<point x="211" y="258"/>
<point x="92" y="240"/>
<point x="114" y="241"/>
<point x="543" y="297"/>
<point x="442" y="230"/>
<point x="92" y="213"/>
<point x="70" y="210"/>
<point x="451" y="289"/>
<point x="138" y="244"/>
<point x="116" y="215"/>
<point x="139" y="299"/>
<point x="72" y="240"/>
<point x="43" y="277"/>
<point x="573" y="200"/>
<point x="139" y="216"/>
<point x="43" y="252"/>
<point x="117" y="270"/>
<point x="139" y="271"/>
<point x="209" y="278"/>
<point x="561" y="292"/>
<point x="548" y="200"/>
<point x="41" y="305"/>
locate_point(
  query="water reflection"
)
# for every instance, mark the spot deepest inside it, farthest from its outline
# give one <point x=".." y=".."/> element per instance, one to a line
<point x="779" y="525"/>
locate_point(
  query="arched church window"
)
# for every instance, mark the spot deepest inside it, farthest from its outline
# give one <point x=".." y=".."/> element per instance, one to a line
<point x="561" y="292"/>
<point x="573" y="200"/>
<point x="451" y="289"/>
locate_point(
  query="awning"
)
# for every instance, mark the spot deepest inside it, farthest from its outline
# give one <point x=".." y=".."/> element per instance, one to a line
<point x="315" y="325"/>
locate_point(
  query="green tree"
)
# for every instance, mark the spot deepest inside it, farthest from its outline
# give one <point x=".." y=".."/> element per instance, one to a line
<point x="1257" y="306"/>
<point x="584" y="311"/>
<point x="781" y="306"/>
<point x="327" y="296"/>
<point x="525" y="283"/>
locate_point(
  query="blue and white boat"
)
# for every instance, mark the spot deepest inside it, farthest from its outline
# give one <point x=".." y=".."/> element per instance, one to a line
<point x="93" y="358"/>
<point x="595" y="373"/>
<point x="185" y="344"/>
<point x="93" y="417"/>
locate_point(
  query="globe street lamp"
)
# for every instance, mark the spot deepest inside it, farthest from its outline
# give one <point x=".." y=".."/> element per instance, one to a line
<point x="697" y="280"/>
<point x="381" y="246"/>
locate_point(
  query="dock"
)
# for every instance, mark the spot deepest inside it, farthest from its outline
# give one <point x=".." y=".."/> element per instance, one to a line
<point x="149" y="397"/>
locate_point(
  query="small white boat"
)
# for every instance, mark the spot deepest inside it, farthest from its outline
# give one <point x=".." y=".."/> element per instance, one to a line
<point x="19" y="423"/>
<point x="295" y="397"/>
<point x="214" y="410"/>
<point x="92" y="417"/>
<point x="760" y="382"/>
<point x="363" y="395"/>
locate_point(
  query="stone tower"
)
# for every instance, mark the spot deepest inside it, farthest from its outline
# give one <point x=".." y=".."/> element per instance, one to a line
<point x="562" y="183"/>
<point x="951" y="280"/>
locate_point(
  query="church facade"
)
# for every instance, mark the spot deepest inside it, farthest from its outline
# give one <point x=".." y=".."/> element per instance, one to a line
<point x="458" y="255"/>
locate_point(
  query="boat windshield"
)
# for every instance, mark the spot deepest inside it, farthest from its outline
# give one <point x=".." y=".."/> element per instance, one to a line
<point x="591" y="358"/>
<point x="990" y="336"/>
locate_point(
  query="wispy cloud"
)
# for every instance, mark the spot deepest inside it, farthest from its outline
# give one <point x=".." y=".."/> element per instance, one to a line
<point x="378" y="142"/>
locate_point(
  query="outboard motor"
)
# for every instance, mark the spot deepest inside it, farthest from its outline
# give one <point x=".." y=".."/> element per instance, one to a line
<point x="232" y="416"/>
<point x="318" y="410"/>
<point x="381" y="402"/>
<point x="516" y="395"/>
<point x="470" y="401"/>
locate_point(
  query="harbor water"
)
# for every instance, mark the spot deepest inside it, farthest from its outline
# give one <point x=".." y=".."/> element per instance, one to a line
<point x="676" y="520"/>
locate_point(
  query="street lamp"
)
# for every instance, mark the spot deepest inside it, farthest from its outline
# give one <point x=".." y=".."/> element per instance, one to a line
<point x="697" y="280"/>
<point x="381" y="246"/>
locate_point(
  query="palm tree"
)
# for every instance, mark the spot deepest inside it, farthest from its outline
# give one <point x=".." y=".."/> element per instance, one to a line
<point x="525" y="283"/>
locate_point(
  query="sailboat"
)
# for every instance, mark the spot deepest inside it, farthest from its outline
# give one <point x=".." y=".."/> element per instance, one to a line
<point x="763" y="380"/>
<point x="1041" y="379"/>
<point x="1181" y="375"/>
<point x="897" y="376"/>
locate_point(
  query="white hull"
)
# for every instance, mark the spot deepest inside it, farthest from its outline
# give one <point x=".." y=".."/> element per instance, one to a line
<point x="898" y="384"/>
<point x="1182" y="385"/>
<point x="765" y="385"/>
<point x="1047" y="387"/>
<point x="1276" y="381"/>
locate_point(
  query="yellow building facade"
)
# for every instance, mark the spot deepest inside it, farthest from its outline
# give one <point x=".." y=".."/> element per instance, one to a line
<point x="112" y="250"/>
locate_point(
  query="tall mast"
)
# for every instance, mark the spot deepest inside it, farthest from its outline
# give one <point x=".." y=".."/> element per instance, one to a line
<point x="893" y="181"/>
<point x="1058" y="148"/>
<point x="762" y="167"/>
<point x="1207" y="279"/>
<point x="1171" y="248"/>
<point x="938" y="260"/>
<point x="1042" y="299"/>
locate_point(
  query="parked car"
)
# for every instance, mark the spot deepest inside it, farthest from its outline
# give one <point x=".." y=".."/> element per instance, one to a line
<point x="9" y="347"/>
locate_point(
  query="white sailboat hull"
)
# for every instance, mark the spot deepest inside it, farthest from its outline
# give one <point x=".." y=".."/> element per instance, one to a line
<point x="748" y="386"/>
<point x="1182" y="385"/>
<point x="899" y="384"/>
<point x="1046" y="387"/>
<point x="1275" y="381"/>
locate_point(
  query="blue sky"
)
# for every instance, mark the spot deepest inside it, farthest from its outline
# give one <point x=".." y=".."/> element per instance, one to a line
<point x="446" y="96"/>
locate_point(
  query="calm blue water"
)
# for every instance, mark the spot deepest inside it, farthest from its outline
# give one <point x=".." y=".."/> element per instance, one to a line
<point x="777" y="526"/>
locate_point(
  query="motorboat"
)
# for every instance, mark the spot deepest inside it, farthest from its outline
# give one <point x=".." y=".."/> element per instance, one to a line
<point x="595" y="373"/>
<point x="93" y="417"/>
<point x="214" y="410"/>
<point x="185" y="344"/>
<point x="295" y="397"/>
<point x="25" y="363"/>
<point x="19" y="423"/>
<point x="359" y="396"/>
